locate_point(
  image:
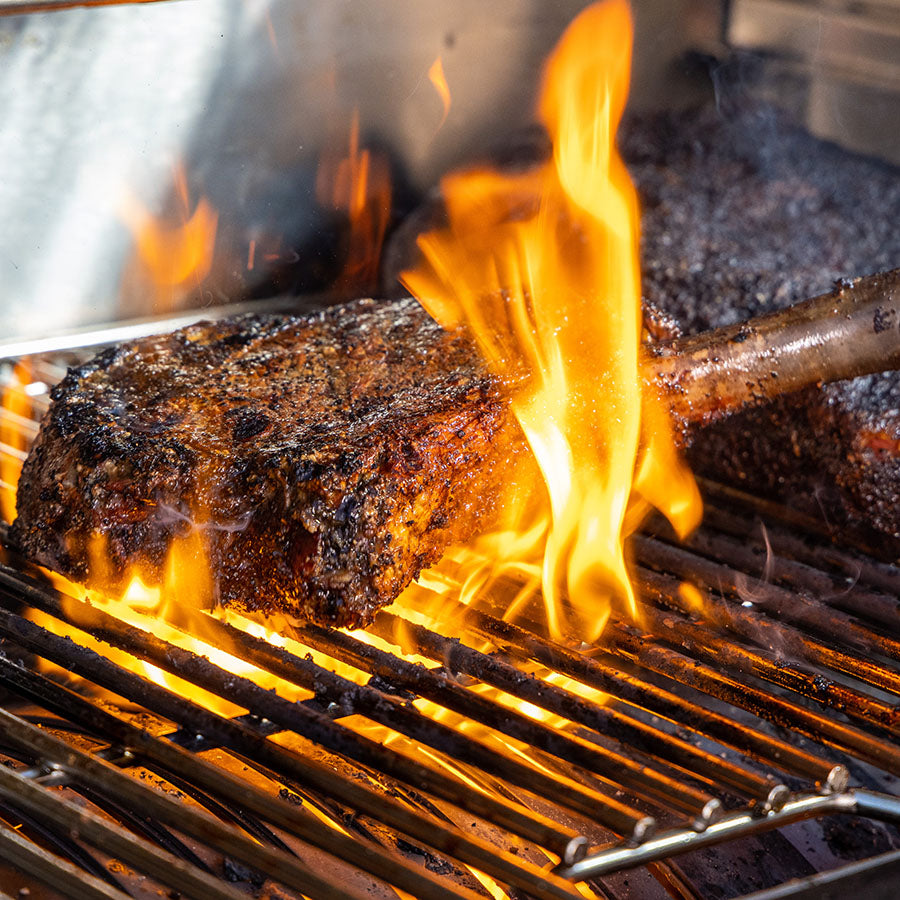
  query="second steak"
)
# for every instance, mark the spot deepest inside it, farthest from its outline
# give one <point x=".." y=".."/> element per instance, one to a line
<point x="325" y="459"/>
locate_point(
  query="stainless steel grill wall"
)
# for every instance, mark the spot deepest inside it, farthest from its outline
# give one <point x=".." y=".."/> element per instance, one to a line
<point x="101" y="104"/>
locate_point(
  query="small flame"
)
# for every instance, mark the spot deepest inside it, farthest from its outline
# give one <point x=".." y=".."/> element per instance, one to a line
<point x="543" y="269"/>
<point x="357" y="184"/>
<point x="438" y="79"/>
<point x="15" y="413"/>
<point x="172" y="611"/>
<point x="174" y="255"/>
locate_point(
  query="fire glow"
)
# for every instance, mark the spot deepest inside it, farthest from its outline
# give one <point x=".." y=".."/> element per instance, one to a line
<point x="357" y="183"/>
<point x="543" y="269"/>
<point x="173" y="257"/>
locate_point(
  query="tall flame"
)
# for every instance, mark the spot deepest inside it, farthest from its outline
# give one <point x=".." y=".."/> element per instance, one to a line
<point x="543" y="269"/>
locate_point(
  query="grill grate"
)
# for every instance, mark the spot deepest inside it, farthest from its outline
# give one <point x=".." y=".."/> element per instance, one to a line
<point x="480" y="764"/>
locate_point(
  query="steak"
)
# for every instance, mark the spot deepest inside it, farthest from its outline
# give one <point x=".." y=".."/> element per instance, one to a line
<point x="325" y="459"/>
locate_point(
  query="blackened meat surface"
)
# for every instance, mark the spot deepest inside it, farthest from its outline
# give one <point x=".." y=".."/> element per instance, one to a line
<point x="325" y="459"/>
<point x="744" y="213"/>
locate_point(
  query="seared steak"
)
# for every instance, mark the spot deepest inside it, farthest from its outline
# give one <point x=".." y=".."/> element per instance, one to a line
<point x="325" y="459"/>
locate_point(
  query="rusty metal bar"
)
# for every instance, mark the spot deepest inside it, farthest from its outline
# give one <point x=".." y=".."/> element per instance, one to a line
<point x="523" y="822"/>
<point x="790" y="608"/>
<point x="634" y="645"/>
<point x="609" y="722"/>
<point x="112" y="839"/>
<point x="700" y="641"/>
<point x="136" y="745"/>
<point x="828" y="589"/>
<point x="432" y="685"/>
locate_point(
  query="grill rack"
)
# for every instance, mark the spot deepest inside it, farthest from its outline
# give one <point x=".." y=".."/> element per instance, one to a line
<point x="667" y="764"/>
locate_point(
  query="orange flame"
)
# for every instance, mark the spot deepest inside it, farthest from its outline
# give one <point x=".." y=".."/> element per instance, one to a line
<point x="173" y="256"/>
<point x="357" y="184"/>
<point x="15" y="414"/>
<point x="172" y="612"/>
<point x="438" y="79"/>
<point x="543" y="269"/>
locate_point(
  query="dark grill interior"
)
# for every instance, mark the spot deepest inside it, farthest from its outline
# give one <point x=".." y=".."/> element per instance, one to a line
<point x="490" y="762"/>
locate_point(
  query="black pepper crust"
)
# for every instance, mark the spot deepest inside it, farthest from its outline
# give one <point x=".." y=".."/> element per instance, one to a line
<point x="325" y="458"/>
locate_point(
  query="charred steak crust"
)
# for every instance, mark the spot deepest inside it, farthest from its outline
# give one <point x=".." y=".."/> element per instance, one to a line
<point x="325" y="458"/>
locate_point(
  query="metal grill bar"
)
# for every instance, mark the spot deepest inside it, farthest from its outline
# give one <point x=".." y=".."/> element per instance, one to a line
<point x="635" y="645"/>
<point x="751" y="625"/>
<point x="442" y="690"/>
<point x="605" y="672"/>
<point x="628" y="731"/>
<point x="798" y="576"/>
<point x="788" y="607"/>
<point x="702" y="643"/>
<point x="114" y="840"/>
<point x="166" y="758"/>
<point x="52" y="870"/>
<point x="790" y="546"/>
<point x="229" y="733"/>
<point x="103" y="778"/>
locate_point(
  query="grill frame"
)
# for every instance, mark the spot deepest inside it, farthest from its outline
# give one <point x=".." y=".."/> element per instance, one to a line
<point x="660" y="565"/>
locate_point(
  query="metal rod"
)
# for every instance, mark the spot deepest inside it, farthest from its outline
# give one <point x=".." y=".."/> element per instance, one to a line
<point x="105" y="778"/>
<point x="605" y="720"/>
<point x="872" y="570"/>
<point x="671" y="843"/>
<point x="56" y="873"/>
<point x="790" y="608"/>
<point x="387" y="711"/>
<point x="852" y="583"/>
<point x="618" y="769"/>
<point x="634" y="645"/>
<point x="598" y="807"/>
<point x="167" y="758"/>
<point x="875" y="878"/>
<point x="605" y="672"/>
<point x="527" y="824"/>
<point x="702" y="642"/>
<point x="112" y="839"/>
